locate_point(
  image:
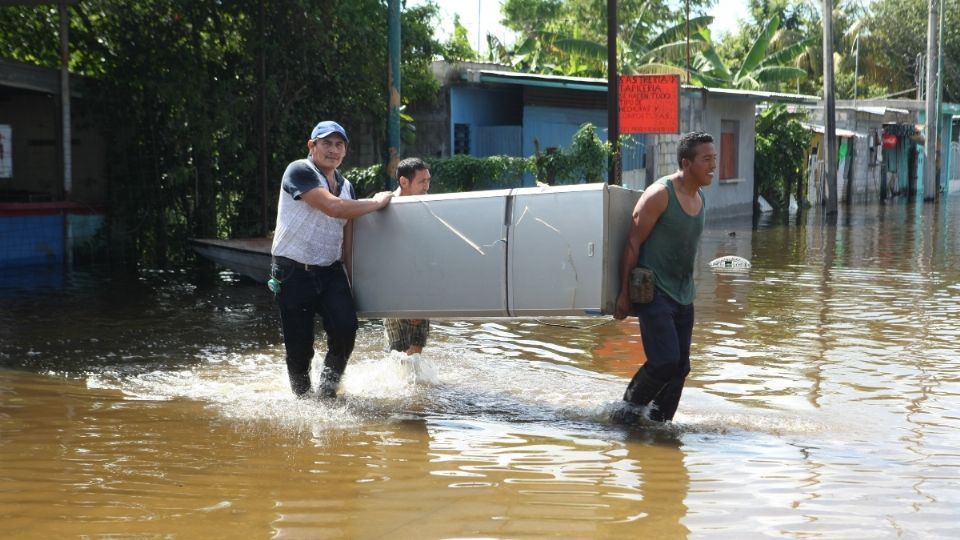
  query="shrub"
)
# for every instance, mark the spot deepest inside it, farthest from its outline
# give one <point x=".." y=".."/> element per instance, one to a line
<point x="781" y="150"/>
<point x="584" y="161"/>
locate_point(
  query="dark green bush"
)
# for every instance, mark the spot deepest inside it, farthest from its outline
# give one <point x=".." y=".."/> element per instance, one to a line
<point x="781" y="150"/>
<point x="584" y="161"/>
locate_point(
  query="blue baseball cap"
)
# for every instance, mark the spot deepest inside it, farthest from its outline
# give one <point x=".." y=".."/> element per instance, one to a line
<point x="326" y="128"/>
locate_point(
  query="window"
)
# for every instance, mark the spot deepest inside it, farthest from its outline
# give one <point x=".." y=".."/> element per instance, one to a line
<point x="6" y="151"/>
<point x="729" y="149"/>
<point x="461" y="138"/>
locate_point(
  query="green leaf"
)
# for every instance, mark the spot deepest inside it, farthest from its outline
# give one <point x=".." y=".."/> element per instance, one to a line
<point x="774" y="74"/>
<point x="582" y="47"/>
<point x="747" y="83"/>
<point x="672" y="52"/>
<point x="679" y="31"/>
<point x="758" y="50"/>
<point x="657" y="68"/>
<point x="718" y="69"/>
<point x="788" y="54"/>
<point x="527" y="46"/>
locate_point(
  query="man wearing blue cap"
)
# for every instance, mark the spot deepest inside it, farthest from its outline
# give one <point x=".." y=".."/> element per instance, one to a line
<point x="311" y="249"/>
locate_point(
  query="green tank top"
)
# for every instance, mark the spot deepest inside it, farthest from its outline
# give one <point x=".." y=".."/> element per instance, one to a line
<point x="671" y="248"/>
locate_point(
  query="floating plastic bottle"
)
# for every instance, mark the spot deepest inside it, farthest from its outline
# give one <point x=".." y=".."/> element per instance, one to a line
<point x="730" y="263"/>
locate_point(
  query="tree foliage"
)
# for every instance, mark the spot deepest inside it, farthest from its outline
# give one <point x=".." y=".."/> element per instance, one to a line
<point x="457" y="48"/>
<point x="761" y="67"/>
<point x="178" y="88"/>
<point x="781" y="147"/>
<point x="583" y="161"/>
<point x="898" y="39"/>
<point x="568" y="37"/>
<point x="877" y="44"/>
<point x="453" y="174"/>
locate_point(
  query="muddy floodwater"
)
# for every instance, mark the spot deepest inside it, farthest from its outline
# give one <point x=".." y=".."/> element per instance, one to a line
<point x="824" y="402"/>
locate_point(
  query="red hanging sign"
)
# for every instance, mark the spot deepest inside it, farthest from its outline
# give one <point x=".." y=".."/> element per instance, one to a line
<point x="889" y="140"/>
<point x="649" y="104"/>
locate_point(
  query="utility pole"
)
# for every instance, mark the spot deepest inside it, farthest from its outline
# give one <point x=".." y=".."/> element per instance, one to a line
<point x="613" y="96"/>
<point x="687" y="19"/>
<point x="262" y="106"/>
<point x="919" y="75"/>
<point x="65" y="101"/>
<point x="393" y="90"/>
<point x="829" y="110"/>
<point x="930" y="127"/>
<point x="856" y="68"/>
<point x="479" y="20"/>
<point x="939" y="147"/>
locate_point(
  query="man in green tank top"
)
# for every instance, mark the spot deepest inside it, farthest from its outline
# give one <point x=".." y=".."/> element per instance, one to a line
<point x="664" y="238"/>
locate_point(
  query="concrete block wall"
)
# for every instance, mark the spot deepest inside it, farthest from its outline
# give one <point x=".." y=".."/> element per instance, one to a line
<point x="865" y="173"/>
<point x="666" y="155"/>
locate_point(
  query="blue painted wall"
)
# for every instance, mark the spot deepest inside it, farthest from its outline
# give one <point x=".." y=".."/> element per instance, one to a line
<point x="554" y="126"/>
<point x="501" y="125"/>
<point x="946" y="132"/>
<point x="31" y="240"/>
<point x="482" y="107"/>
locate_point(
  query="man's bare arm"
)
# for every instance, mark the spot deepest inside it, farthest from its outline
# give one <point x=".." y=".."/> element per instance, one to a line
<point x="652" y="204"/>
<point x="335" y="207"/>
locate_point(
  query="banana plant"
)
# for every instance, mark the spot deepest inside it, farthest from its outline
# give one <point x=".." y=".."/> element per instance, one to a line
<point x="666" y="53"/>
<point x="759" y="70"/>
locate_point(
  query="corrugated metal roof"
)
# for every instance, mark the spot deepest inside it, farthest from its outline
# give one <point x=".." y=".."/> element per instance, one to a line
<point x="768" y="96"/>
<point x="817" y="128"/>
<point x="600" y="85"/>
<point x="543" y="81"/>
<point x="876" y="110"/>
<point x="881" y="111"/>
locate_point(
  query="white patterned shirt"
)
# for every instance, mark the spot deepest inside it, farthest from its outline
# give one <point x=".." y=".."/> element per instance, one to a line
<point x="304" y="233"/>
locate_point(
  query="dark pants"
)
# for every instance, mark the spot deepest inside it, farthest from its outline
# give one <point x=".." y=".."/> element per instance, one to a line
<point x="666" y="328"/>
<point x="305" y="293"/>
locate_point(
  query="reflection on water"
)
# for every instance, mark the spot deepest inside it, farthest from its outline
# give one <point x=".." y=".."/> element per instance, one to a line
<point x="821" y="404"/>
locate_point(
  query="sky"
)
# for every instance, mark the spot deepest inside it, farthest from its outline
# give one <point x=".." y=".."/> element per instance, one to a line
<point x="484" y="16"/>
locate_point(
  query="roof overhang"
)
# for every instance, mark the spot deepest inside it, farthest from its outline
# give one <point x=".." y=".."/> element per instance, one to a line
<point x="25" y="76"/>
<point x="950" y="108"/>
<point x="600" y="85"/>
<point x="817" y="128"/>
<point x="543" y="81"/>
<point x="37" y="2"/>
<point x="880" y="111"/>
<point x="757" y="95"/>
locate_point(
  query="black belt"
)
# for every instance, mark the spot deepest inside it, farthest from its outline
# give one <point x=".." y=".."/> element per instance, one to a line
<point x="308" y="267"/>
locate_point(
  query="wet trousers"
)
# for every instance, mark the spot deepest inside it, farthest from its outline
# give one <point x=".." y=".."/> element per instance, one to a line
<point x="304" y="293"/>
<point x="666" y="328"/>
